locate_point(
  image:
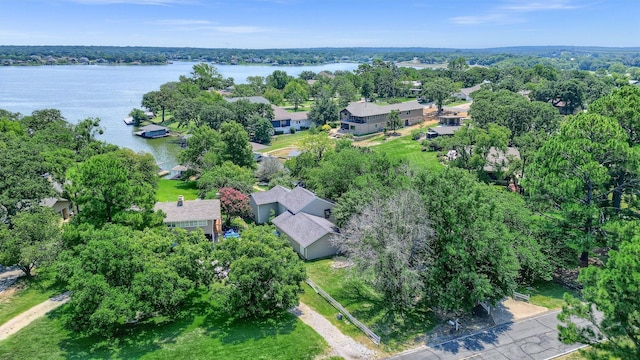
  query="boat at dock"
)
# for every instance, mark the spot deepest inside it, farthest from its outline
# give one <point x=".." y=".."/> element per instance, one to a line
<point x="128" y="120"/>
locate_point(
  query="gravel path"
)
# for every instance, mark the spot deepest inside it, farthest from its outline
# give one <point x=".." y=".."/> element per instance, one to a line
<point x="17" y="323"/>
<point x="341" y="344"/>
<point x="8" y="276"/>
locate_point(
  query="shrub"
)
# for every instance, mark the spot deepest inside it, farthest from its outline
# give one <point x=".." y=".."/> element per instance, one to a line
<point x="325" y="127"/>
<point x="292" y="130"/>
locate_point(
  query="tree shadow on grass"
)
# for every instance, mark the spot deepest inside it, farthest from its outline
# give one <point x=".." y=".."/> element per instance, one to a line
<point x="395" y="329"/>
<point x="220" y="325"/>
<point x="133" y="340"/>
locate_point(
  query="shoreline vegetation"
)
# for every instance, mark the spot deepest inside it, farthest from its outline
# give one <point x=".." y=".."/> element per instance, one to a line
<point x="566" y="57"/>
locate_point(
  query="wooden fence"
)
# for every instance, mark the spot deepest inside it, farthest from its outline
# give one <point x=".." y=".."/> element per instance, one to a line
<point x="375" y="338"/>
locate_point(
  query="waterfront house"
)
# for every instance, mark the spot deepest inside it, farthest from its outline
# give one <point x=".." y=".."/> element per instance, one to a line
<point x="362" y="118"/>
<point x="303" y="217"/>
<point x="193" y="214"/>
<point x="283" y="121"/>
<point x="152" y="131"/>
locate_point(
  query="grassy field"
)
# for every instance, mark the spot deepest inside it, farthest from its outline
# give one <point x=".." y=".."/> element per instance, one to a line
<point x="404" y="148"/>
<point x="547" y="294"/>
<point x="283" y="141"/>
<point x="366" y="306"/>
<point x="29" y="293"/>
<point x="203" y="332"/>
<point x="169" y="190"/>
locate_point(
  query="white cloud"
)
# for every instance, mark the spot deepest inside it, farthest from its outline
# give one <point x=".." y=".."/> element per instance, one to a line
<point x="132" y="2"/>
<point x="508" y="13"/>
<point x="495" y="18"/>
<point x="241" y="29"/>
<point x="527" y="6"/>
<point x="181" y="22"/>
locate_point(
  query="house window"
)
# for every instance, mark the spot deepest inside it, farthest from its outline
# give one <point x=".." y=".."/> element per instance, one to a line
<point x="187" y="224"/>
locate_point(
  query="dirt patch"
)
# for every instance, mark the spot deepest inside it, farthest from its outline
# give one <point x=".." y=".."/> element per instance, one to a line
<point x="341" y="264"/>
<point x="8" y="293"/>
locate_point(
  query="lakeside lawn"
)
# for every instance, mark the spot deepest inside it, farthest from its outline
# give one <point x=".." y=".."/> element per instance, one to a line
<point x="365" y="305"/>
<point x="285" y="140"/>
<point x="203" y="331"/>
<point x="169" y="190"/>
<point x="25" y="294"/>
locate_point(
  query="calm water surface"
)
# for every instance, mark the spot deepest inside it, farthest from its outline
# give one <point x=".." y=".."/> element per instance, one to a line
<point x="110" y="92"/>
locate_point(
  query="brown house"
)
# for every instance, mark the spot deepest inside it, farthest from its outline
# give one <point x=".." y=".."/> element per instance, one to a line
<point x="365" y="118"/>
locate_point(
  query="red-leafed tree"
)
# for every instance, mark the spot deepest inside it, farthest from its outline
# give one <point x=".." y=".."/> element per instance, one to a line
<point x="234" y="203"/>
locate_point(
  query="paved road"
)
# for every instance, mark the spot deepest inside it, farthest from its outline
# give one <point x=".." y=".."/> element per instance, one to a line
<point x="530" y="339"/>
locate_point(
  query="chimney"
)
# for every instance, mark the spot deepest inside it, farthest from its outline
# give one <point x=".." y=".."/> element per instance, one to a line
<point x="180" y="200"/>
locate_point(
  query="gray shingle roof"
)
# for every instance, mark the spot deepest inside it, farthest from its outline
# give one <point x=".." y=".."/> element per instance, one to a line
<point x="446" y="130"/>
<point x="280" y="113"/>
<point x="269" y="197"/>
<point x="370" y="109"/>
<point x="190" y="210"/>
<point x="296" y="199"/>
<point x="303" y="228"/>
<point x="299" y="115"/>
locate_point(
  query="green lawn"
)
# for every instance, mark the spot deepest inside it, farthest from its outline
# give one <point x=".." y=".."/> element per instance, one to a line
<point x="305" y="106"/>
<point x="548" y="294"/>
<point x="285" y="140"/>
<point x="169" y="190"/>
<point x="404" y="148"/>
<point x="203" y="332"/>
<point x="366" y="306"/>
<point x="29" y="294"/>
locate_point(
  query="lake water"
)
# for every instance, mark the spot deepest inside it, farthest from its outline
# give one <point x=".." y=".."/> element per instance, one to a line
<point x="110" y="92"/>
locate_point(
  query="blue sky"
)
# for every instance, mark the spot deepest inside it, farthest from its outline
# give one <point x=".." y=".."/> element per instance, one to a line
<point x="320" y="23"/>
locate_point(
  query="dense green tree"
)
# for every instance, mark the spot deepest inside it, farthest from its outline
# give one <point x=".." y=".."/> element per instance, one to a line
<point x="118" y="275"/>
<point x="278" y="79"/>
<point x="33" y="239"/>
<point x="571" y="172"/>
<point x="394" y="122"/>
<point x="161" y="100"/>
<point x="227" y="174"/>
<point x="345" y="90"/>
<point x="108" y="186"/>
<point x="274" y="96"/>
<point x="261" y="273"/>
<point x="623" y="105"/>
<point x="438" y="89"/>
<point x="237" y="148"/>
<point x="610" y="304"/>
<point x="138" y="116"/>
<point x="213" y="115"/>
<point x="323" y="110"/>
<point x="206" y="76"/>
<point x="568" y="92"/>
<point x="262" y="131"/>
<point x="204" y="150"/>
<point x="295" y="93"/>
<point x="474" y="259"/>
<point x="473" y="145"/>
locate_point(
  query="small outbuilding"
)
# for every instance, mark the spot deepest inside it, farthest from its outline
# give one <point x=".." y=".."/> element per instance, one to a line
<point x="152" y="131"/>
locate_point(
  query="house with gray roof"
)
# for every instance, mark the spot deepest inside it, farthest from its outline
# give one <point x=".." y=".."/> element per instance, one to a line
<point x="152" y="131"/>
<point x="299" y="214"/>
<point x="283" y="120"/>
<point x="362" y="118"/>
<point x="193" y="214"/>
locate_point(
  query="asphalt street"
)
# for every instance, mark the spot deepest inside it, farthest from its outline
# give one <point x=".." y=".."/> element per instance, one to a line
<point x="534" y="338"/>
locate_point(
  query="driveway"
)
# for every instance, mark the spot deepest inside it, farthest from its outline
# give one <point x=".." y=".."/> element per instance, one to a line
<point x="530" y="339"/>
